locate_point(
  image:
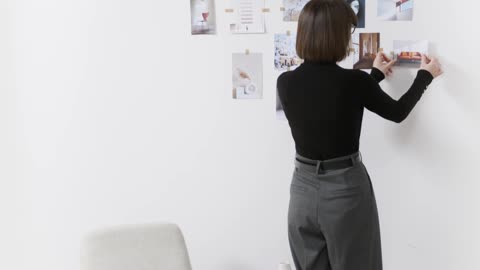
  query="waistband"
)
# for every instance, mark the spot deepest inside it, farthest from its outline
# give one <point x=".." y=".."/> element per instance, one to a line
<point x="314" y="161"/>
<point x="320" y="166"/>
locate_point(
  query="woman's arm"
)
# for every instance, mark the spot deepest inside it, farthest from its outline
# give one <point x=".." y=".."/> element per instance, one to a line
<point x="377" y="74"/>
<point x="281" y="90"/>
<point x="382" y="67"/>
<point x="379" y="102"/>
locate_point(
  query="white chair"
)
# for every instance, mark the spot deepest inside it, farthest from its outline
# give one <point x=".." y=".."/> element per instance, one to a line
<point x="136" y="247"/>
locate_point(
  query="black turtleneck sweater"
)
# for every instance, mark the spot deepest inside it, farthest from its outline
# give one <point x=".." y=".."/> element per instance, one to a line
<point x="324" y="105"/>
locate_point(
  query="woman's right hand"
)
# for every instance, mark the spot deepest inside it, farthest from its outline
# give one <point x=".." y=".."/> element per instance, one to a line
<point x="384" y="64"/>
<point x="431" y="65"/>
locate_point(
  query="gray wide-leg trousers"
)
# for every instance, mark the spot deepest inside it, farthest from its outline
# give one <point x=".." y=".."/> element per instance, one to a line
<point x="333" y="220"/>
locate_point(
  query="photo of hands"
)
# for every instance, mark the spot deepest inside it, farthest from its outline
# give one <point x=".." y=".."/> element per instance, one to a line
<point x="247" y="75"/>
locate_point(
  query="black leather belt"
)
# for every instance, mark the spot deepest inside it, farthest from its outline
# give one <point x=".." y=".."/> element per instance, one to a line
<point x="320" y="166"/>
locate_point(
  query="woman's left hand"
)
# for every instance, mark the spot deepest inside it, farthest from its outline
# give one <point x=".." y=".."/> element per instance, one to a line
<point x="384" y="64"/>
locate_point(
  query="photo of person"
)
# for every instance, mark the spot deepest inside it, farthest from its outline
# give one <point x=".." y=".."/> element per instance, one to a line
<point x="409" y="52"/>
<point x="366" y="47"/>
<point x="248" y="17"/>
<point x="358" y="7"/>
<point x="202" y="14"/>
<point x="247" y="75"/>
<point x="395" y="10"/>
<point x="294" y="7"/>
<point x="285" y="52"/>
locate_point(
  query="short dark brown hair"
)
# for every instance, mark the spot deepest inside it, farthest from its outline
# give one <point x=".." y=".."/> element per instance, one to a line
<point x="324" y="30"/>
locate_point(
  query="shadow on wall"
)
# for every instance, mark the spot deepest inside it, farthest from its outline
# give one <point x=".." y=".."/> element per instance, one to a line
<point x="237" y="265"/>
<point x="441" y="134"/>
<point x="460" y="88"/>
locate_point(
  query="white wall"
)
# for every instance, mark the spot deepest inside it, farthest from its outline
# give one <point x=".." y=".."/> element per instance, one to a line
<point x="112" y="113"/>
<point x="9" y="207"/>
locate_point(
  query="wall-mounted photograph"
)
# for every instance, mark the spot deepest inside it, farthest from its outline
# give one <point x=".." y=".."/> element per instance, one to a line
<point x="285" y="52"/>
<point x="358" y="7"/>
<point x="248" y="17"/>
<point x="247" y="75"/>
<point x="203" y="19"/>
<point x="409" y="52"/>
<point x="395" y="10"/>
<point x="366" y="47"/>
<point x="292" y="9"/>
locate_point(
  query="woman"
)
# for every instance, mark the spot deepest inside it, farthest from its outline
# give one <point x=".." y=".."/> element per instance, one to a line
<point x="332" y="217"/>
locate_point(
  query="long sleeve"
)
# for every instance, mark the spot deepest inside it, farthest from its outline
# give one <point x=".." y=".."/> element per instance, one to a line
<point x="379" y="102"/>
<point x="281" y="92"/>
<point x="377" y="74"/>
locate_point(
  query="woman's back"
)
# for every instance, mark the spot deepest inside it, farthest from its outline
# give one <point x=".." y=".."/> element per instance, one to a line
<point x="333" y="220"/>
<point x="324" y="105"/>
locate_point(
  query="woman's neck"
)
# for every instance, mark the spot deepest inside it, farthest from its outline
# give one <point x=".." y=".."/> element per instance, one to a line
<point x="320" y="63"/>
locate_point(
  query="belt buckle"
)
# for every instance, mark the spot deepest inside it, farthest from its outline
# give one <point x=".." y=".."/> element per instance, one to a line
<point x="319" y="166"/>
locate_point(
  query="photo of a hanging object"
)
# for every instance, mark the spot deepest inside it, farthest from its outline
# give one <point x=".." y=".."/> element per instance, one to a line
<point x="247" y="75"/>
<point x="203" y="19"/>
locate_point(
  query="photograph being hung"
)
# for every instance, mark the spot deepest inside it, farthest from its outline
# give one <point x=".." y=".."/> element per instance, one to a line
<point x="202" y="14"/>
<point x="248" y="16"/>
<point x="285" y="52"/>
<point x="409" y="52"/>
<point x="247" y="75"/>
<point x="395" y="10"/>
<point x="366" y="47"/>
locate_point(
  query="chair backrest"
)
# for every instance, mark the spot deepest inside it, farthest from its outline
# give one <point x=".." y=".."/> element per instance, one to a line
<point x="136" y="247"/>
